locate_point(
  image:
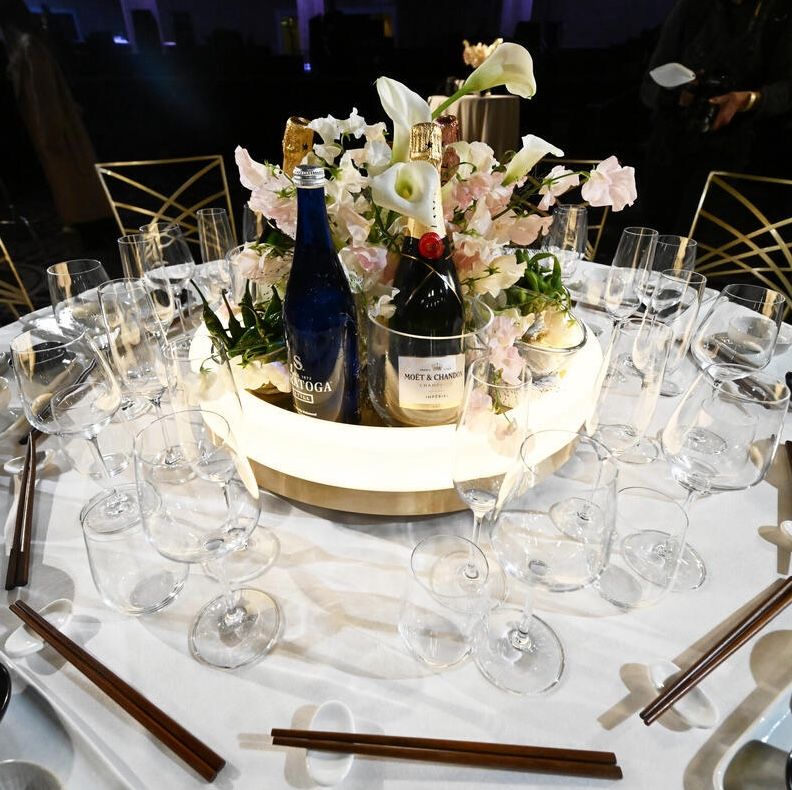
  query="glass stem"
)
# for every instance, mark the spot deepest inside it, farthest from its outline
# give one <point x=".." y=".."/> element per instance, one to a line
<point x="177" y="303"/>
<point x="471" y="569"/>
<point x="234" y="615"/>
<point x="521" y="636"/>
<point x="107" y="478"/>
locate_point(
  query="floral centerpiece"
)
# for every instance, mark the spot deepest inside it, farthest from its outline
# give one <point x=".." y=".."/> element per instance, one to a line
<point x="494" y="211"/>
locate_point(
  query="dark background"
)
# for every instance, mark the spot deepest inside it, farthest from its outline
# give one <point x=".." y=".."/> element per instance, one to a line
<point x="166" y="78"/>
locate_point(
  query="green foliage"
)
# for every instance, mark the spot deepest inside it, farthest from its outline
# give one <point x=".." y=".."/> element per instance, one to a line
<point x="538" y="289"/>
<point x="259" y="336"/>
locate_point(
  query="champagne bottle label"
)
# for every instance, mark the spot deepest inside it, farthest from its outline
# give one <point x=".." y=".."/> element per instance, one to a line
<point x="431" y="382"/>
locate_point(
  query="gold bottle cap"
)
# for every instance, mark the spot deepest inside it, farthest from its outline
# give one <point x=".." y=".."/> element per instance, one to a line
<point x="297" y="142"/>
<point x="426" y="143"/>
<point x="449" y="127"/>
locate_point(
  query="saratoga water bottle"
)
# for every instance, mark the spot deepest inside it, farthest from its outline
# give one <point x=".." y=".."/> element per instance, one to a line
<point x="319" y="313"/>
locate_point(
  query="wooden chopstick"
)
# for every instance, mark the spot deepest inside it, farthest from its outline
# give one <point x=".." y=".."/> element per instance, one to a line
<point x="594" y="770"/>
<point x="478" y="747"/>
<point x="194" y="752"/>
<point x="771" y="605"/>
<point x="18" y="569"/>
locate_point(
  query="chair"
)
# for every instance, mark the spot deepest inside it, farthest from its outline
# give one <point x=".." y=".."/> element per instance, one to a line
<point x="12" y="291"/>
<point x="597" y="215"/>
<point x="165" y="189"/>
<point x="743" y="226"/>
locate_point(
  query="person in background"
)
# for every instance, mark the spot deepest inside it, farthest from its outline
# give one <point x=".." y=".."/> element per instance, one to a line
<point x="731" y="117"/>
<point x="53" y="120"/>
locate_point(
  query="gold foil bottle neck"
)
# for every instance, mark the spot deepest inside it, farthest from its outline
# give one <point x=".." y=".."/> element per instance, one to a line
<point x="297" y="142"/>
<point x="426" y="143"/>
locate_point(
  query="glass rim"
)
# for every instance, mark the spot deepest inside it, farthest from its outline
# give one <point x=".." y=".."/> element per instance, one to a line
<point x="160" y="225"/>
<point x="606" y="456"/>
<point x="133" y="238"/>
<point x="375" y="319"/>
<point x="211" y="211"/>
<point x="673" y="240"/>
<point x="640" y="231"/>
<point x="779" y="297"/>
<point x="97" y="265"/>
<point x="682" y="274"/>
<point x="661" y="494"/>
<point x="765" y="379"/>
<point x="471" y="547"/>
<point x="68" y="339"/>
<point x="566" y="350"/>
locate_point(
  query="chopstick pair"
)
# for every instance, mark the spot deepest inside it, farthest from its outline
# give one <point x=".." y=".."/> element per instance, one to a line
<point x="18" y="570"/>
<point x="771" y="605"/>
<point x="183" y="743"/>
<point x="536" y="759"/>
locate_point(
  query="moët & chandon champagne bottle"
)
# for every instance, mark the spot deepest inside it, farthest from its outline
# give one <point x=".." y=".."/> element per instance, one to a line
<point x="426" y="384"/>
<point x="319" y="313"/>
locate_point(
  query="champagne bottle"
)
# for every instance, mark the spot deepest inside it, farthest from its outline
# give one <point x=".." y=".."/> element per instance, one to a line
<point x="449" y="126"/>
<point x="426" y="386"/>
<point x="297" y="142"/>
<point x="319" y="313"/>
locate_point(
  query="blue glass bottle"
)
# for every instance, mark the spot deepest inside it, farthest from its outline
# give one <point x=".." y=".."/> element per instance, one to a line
<point x="319" y="313"/>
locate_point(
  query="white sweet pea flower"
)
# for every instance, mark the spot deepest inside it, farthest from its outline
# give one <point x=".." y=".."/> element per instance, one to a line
<point x="476" y="157"/>
<point x="405" y="108"/>
<point x="563" y="180"/>
<point x="255" y="375"/>
<point x="509" y="65"/>
<point x="534" y="148"/>
<point x="610" y="184"/>
<point x="328" y="152"/>
<point x="328" y="128"/>
<point x="374" y="132"/>
<point x="354" y="125"/>
<point x="409" y="188"/>
<point x="251" y="174"/>
<point x="375" y="156"/>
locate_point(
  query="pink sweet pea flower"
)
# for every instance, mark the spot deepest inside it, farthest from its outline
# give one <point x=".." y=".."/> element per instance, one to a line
<point x="610" y="184"/>
<point x="564" y="180"/>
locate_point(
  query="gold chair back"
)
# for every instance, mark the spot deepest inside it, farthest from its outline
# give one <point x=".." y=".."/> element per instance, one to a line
<point x="743" y="226"/>
<point x="13" y="293"/>
<point x="597" y="215"/>
<point x="170" y="190"/>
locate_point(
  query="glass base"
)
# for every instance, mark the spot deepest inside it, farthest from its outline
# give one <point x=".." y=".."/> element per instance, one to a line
<point x="619" y="439"/>
<point x="248" y="634"/>
<point x="529" y="669"/>
<point x="616" y="586"/>
<point x="155" y="592"/>
<point x="670" y="388"/>
<point x="109" y="511"/>
<point x="251" y="559"/>
<point x="645" y="452"/>
<point x="648" y="554"/>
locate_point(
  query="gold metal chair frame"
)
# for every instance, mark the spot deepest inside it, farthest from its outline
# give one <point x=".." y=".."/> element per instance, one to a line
<point x="735" y="256"/>
<point x="171" y="208"/>
<point x="12" y="294"/>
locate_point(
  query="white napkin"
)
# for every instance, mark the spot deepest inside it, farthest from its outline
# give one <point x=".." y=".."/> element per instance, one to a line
<point x="672" y="75"/>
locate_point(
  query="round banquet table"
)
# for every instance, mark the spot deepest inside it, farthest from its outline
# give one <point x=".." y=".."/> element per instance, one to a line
<point x="339" y="580"/>
<point x="494" y="120"/>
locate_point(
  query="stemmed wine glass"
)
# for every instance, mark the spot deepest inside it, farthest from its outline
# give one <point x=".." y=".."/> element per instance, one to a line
<point x="491" y="427"/>
<point x="629" y="271"/>
<point x="741" y="328"/>
<point x="629" y="387"/>
<point x="672" y="253"/>
<point x="200" y="377"/>
<point x="73" y="292"/>
<point x="68" y="389"/>
<point x="554" y="530"/>
<point x="203" y="515"/>
<point x="567" y="237"/>
<point x="721" y="437"/>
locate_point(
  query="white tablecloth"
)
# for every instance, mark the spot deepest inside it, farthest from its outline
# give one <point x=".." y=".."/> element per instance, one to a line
<point x="339" y="580"/>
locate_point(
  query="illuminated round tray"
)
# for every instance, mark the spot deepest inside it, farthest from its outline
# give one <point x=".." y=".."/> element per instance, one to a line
<point x="385" y="471"/>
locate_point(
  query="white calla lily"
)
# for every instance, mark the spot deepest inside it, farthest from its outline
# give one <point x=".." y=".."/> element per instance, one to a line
<point x="510" y="65"/>
<point x="534" y="148"/>
<point x="405" y="108"/>
<point x="409" y="188"/>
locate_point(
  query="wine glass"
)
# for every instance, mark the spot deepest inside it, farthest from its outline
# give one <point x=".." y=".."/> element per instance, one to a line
<point x="721" y="437"/>
<point x="491" y="427"/>
<point x="741" y="328"/>
<point x="200" y="376"/>
<point x="629" y="271"/>
<point x="203" y="516"/>
<point x="567" y="237"/>
<point x="168" y="263"/>
<point x="672" y="253"/>
<point x="75" y="303"/>
<point x="214" y="234"/>
<point x="676" y="302"/>
<point x="629" y="387"/>
<point x="68" y="389"/>
<point x="554" y="530"/>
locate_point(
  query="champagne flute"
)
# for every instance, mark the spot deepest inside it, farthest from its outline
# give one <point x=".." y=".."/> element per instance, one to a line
<point x="203" y="516"/>
<point x="491" y="427"/>
<point x="567" y="238"/>
<point x="672" y="253"/>
<point x="73" y="293"/>
<point x="68" y="389"/>
<point x="554" y="531"/>
<point x="721" y="437"/>
<point x="214" y="234"/>
<point x="254" y="225"/>
<point x="627" y="274"/>
<point x="741" y="328"/>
